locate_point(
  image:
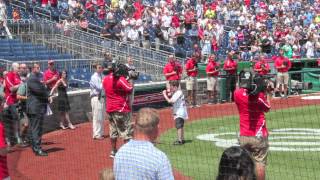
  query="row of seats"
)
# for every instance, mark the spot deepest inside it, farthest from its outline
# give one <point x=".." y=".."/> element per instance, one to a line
<point x="16" y="50"/>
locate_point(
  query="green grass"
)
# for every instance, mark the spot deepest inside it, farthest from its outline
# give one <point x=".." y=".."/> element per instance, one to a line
<point x="199" y="159"/>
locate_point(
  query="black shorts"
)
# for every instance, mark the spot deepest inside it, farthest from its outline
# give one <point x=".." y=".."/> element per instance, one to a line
<point x="179" y="123"/>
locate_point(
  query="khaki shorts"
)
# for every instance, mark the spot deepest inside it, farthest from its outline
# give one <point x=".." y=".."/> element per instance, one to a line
<point x="120" y="125"/>
<point x="282" y="78"/>
<point x="212" y="84"/>
<point x="257" y="147"/>
<point x="191" y="83"/>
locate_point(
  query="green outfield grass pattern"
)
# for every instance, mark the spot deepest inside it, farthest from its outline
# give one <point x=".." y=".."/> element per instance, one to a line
<point x="199" y="159"/>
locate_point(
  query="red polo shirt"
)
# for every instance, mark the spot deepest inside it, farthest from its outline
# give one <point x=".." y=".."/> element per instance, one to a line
<point x="48" y="74"/>
<point x="251" y="110"/>
<point x="169" y="68"/>
<point x="117" y="94"/>
<point x="262" y="71"/>
<point x="191" y="63"/>
<point x="12" y="79"/>
<point x="211" y="66"/>
<point x="3" y="159"/>
<point x="232" y="65"/>
<point x="281" y="60"/>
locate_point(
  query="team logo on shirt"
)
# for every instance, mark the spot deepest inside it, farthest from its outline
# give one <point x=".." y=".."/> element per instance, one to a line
<point x="285" y="139"/>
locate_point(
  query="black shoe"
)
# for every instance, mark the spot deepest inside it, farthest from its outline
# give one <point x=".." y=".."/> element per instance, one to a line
<point x="40" y="152"/>
<point x="177" y="142"/>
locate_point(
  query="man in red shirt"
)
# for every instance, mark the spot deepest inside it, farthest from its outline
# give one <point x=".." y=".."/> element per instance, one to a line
<point x="253" y="128"/>
<point x="230" y="66"/>
<point x="282" y="64"/>
<point x="263" y="68"/>
<point x="51" y="75"/>
<point x="212" y="71"/>
<point x="172" y="70"/>
<point x="117" y="90"/>
<point x="10" y="114"/>
<point x="192" y="82"/>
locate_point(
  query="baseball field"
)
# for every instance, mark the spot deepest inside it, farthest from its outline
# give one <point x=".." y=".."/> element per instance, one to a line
<point x="294" y="144"/>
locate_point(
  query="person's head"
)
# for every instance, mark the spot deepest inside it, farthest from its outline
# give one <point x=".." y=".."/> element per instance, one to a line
<point x="281" y="52"/>
<point x="64" y="74"/>
<point x="106" y="174"/>
<point x="147" y="122"/>
<point x="36" y="68"/>
<point x="51" y="64"/>
<point x="98" y="67"/>
<point x="236" y="163"/>
<point x="130" y="60"/>
<point x="23" y="70"/>
<point x="212" y="57"/>
<point x="171" y="59"/>
<point x="15" y="67"/>
<point x="174" y="85"/>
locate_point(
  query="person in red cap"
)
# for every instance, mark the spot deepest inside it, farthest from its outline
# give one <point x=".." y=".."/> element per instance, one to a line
<point x="192" y="83"/>
<point x="51" y="75"/>
<point x="212" y="71"/>
<point x="172" y="71"/>
<point x="282" y="65"/>
<point x="230" y="66"/>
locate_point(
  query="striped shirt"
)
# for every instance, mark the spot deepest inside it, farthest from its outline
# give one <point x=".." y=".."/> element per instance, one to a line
<point x="141" y="160"/>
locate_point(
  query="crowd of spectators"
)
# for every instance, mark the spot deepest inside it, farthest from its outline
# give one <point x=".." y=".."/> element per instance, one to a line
<point x="246" y="26"/>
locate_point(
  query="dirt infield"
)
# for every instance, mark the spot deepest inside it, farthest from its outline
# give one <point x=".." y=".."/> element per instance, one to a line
<point x="73" y="155"/>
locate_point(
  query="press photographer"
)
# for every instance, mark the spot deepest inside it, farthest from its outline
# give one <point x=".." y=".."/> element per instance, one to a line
<point x="117" y="90"/>
<point x="252" y="104"/>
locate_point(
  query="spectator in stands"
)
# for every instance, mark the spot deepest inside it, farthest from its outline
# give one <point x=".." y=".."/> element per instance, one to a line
<point x="3" y="31"/>
<point x="16" y="14"/>
<point x="97" y="103"/>
<point x="175" y="96"/>
<point x="3" y="11"/>
<point x="22" y="106"/>
<point x="252" y="106"/>
<point x="230" y="67"/>
<point x="282" y="64"/>
<point x="63" y="101"/>
<point x="172" y="71"/>
<point x="51" y="75"/>
<point x="192" y="81"/>
<point x="10" y="114"/>
<point x="83" y="23"/>
<point x="37" y="103"/>
<point x="149" y="162"/>
<point x="212" y="70"/>
<point x="236" y="163"/>
<point x="117" y="90"/>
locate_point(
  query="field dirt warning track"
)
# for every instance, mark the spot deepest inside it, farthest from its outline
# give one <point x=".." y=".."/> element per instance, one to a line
<point x="73" y="155"/>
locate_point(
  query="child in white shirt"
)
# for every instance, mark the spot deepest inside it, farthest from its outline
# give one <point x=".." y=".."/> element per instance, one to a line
<point x="179" y="109"/>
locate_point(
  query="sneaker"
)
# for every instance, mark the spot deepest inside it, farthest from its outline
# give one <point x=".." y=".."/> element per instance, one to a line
<point x="113" y="154"/>
<point x="177" y="142"/>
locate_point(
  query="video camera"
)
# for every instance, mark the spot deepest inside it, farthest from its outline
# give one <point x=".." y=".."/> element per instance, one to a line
<point x="254" y="83"/>
<point x="120" y="69"/>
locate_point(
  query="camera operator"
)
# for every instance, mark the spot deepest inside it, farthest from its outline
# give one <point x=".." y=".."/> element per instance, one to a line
<point x="262" y="68"/>
<point x="282" y="65"/>
<point x="252" y="104"/>
<point x="172" y="71"/>
<point x="97" y="103"/>
<point x="230" y="66"/>
<point x="118" y="89"/>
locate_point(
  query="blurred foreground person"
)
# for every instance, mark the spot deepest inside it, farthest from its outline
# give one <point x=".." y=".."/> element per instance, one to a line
<point x="139" y="158"/>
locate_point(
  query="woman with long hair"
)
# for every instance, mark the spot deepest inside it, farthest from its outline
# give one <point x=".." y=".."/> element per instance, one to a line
<point x="63" y="101"/>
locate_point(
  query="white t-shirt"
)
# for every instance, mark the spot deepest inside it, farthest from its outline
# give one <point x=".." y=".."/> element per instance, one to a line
<point x="179" y="105"/>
